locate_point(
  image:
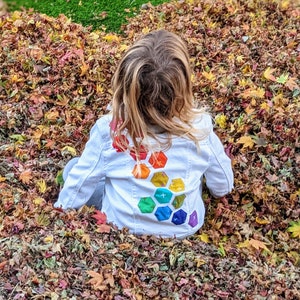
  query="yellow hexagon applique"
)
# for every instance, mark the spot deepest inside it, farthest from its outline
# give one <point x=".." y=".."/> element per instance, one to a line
<point x="160" y="179"/>
<point x="177" y="185"/>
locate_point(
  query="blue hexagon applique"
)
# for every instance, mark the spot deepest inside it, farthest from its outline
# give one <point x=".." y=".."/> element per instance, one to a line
<point x="163" y="213"/>
<point x="179" y="217"/>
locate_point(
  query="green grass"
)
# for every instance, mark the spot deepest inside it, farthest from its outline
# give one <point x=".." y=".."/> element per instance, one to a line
<point x="98" y="13"/>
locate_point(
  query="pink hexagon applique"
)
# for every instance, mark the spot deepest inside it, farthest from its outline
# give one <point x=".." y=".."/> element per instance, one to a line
<point x="158" y="160"/>
<point x="114" y="125"/>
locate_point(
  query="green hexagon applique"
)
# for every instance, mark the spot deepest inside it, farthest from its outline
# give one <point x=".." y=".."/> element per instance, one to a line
<point x="146" y="205"/>
<point x="178" y="201"/>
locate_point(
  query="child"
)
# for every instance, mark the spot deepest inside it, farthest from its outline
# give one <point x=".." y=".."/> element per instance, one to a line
<point x="144" y="163"/>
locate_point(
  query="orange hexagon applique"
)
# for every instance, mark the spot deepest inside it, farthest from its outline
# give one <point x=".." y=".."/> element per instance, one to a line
<point x="160" y="179"/>
<point x="140" y="171"/>
<point x="177" y="185"/>
<point x="158" y="160"/>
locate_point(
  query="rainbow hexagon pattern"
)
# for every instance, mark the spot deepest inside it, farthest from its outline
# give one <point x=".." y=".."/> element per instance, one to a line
<point x="167" y="201"/>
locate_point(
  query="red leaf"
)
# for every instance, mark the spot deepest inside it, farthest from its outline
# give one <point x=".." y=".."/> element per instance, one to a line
<point x="100" y="217"/>
<point x="3" y="263"/>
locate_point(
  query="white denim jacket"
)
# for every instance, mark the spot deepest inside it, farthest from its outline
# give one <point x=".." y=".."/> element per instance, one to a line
<point x="167" y="201"/>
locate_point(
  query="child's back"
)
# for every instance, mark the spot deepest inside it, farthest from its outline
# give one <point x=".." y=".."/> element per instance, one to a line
<point x="148" y="157"/>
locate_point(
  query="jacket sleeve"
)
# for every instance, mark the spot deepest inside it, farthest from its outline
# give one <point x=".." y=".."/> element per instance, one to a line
<point x="86" y="173"/>
<point x="219" y="175"/>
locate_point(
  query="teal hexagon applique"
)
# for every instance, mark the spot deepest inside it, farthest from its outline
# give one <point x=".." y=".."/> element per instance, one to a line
<point x="163" y="195"/>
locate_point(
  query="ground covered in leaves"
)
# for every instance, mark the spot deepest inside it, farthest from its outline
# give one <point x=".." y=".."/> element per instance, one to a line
<point x="55" y="82"/>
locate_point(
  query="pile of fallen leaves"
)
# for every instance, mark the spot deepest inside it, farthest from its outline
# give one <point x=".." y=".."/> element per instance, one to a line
<point x="55" y="82"/>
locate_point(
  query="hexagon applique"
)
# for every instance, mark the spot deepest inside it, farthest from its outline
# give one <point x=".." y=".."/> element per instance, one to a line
<point x="158" y="160"/>
<point x="178" y="201"/>
<point x="163" y="213"/>
<point x="146" y="205"/>
<point x="179" y="217"/>
<point x="193" y="220"/>
<point x="140" y="171"/>
<point x="120" y="143"/>
<point x="163" y="195"/>
<point x="160" y="179"/>
<point x="140" y="155"/>
<point x="177" y="185"/>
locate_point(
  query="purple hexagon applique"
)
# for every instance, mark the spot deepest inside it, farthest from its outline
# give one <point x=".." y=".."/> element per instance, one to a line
<point x="193" y="221"/>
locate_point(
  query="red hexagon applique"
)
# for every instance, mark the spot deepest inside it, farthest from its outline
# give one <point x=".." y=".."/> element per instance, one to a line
<point x="120" y="143"/>
<point x="141" y="155"/>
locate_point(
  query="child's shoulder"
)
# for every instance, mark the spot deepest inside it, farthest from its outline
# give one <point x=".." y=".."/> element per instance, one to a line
<point x="203" y="126"/>
<point x="203" y="121"/>
<point x="104" y="120"/>
<point x="103" y="124"/>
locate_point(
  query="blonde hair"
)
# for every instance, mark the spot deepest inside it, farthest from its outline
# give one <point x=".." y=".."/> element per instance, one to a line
<point x="152" y="90"/>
